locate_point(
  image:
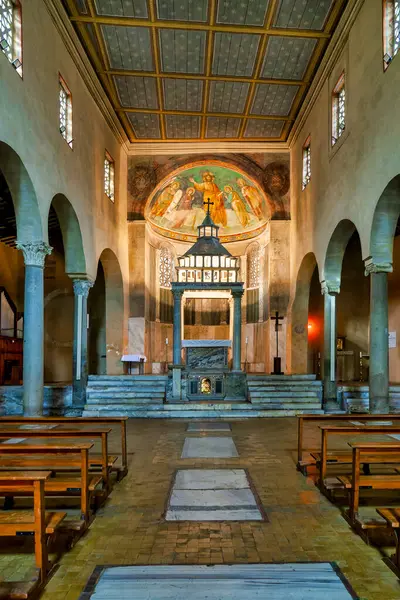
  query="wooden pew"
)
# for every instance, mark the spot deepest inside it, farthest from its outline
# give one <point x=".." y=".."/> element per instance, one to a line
<point x="59" y="460"/>
<point x="100" y="433"/>
<point x="121" y="470"/>
<point x="303" y="419"/>
<point x="392" y="518"/>
<point x="38" y="523"/>
<point x="373" y="452"/>
<point x="354" y="430"/>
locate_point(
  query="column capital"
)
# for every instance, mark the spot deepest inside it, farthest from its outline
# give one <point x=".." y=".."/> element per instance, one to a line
<point x="330" y="287"/>
<point x="82" y="287"/>
<point x="177" y="293"/>
<point x="372" y="266"/>
<point x="237" y="293"/>
<point x="34" y="252"/>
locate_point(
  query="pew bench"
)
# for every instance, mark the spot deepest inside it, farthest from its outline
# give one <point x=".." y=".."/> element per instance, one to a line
<point x="58" y="460"/>
<point x="302" y="462"/>
<point x="120" y="470"/>
<point x="37" y="523"/>
<point x="392" y="518"/>
<point x="98" y="433"/>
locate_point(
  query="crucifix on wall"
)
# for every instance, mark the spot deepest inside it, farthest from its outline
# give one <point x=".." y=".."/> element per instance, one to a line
<point x="277" y="359"/>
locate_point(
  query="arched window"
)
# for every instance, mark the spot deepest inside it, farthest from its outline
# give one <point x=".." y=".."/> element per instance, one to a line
<point x="391" y="30"/>
<point x="10" y="32"/>
<point x="166" y="271"/>
<point x="253" y="285"/>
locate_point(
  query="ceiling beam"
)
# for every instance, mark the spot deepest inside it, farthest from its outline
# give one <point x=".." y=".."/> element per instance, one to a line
<point x="131" y="22"/>
<point x="231" y="79"/>
<point x="156" y="56"/>
<point x="199" y="114"/>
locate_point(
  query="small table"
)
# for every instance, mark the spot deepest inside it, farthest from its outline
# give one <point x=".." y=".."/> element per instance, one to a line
<point x="134" y="358"/>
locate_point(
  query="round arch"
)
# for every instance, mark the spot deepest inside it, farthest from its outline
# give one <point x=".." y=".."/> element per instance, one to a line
<point x="75" y="261"/>
<point x="384" y="223"/>
<point x="335" y="252"/>
<point x="114" y="311"/>
<point x="26" y="206"/>
<point x="299" y="315"/>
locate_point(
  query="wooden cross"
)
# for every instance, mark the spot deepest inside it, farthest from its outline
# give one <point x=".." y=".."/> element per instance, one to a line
<point x="277" y="359"/>
<point x="208" y="204"/>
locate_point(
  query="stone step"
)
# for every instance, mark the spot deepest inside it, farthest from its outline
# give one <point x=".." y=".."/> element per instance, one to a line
<point x="127" y="384"/>
<point x="128" y="377"/>
<point x="181" y="411"/>
<point x="118" y="393"/>
<point x="124" y="400"/>
<point x="284" y="385"/>
<point x="292" y="378"/>
<point x="256" y="393"/>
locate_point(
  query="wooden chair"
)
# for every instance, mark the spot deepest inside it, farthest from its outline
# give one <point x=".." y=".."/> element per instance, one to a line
<point x="94" y="461"/>
<point x="99" y="433"/>
<point x="60" y="460"/>
<point x="42" y="525"/>
<point x="302" y="464"/>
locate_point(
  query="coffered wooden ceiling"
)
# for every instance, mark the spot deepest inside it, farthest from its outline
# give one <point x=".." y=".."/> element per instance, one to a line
<point x="187" y="70"/>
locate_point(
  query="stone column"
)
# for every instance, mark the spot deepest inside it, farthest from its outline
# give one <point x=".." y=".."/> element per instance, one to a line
<point x="34" y="257"/>
<point x="80" y="360"/>
<point x="176" y="355"/>
<point x="329" y="292"/>
<point x="237" y="330"/>
<point x="378" y="337"/>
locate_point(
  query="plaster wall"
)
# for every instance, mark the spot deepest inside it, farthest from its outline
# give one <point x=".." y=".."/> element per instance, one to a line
<point x="348" y="179"/>
<point x="29" y="125"/>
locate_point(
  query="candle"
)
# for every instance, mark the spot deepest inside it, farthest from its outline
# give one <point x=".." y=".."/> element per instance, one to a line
<point x="247" y="339"/>
<point x="166" y="341"/>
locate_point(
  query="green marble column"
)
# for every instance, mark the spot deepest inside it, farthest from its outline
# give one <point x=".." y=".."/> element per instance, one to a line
<point x="237" y="330"/>
<point x="177" y="341"/>
<point x="33" y="368"/>
<point x="378" y="337"/>
<point x="330" y="291"/>
<point x="80" y="360"/>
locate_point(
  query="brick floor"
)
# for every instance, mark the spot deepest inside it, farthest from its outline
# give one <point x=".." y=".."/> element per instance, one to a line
<point x="303" y="525"/>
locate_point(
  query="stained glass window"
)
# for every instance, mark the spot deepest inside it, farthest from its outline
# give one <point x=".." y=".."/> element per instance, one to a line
<point x="306" y="163"/>
<point x="65" y="115"/>
<point x="391" y="30"/>
<point x="10" y="33"/>
<point x="166" y="268"/>
<point x="338" y="110"/>
<point x="109" y="176"/>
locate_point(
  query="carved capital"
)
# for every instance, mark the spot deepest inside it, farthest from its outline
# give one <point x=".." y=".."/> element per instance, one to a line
<point x="177" y="294"/>
<point x="330" y="287"/>
<point x="237" y="294"/>
<point x="34" y="253"/>
<point x="82" y="287"/>
<point x="375" y="267"/>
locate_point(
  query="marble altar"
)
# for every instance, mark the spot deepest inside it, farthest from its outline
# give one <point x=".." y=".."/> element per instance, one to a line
<point x="206" y="354"/>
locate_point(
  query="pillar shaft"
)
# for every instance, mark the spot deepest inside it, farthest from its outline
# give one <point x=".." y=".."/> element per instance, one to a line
<point x="177" y="359"/>
<point x="237" y="331"/>
<point x="379" y="346"/>
<point x="330" y="389"/>
<point x="80" y="358"/>
<point x="34" y="256"/>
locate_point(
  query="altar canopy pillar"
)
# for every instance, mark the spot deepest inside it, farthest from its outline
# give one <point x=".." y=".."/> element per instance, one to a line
<point x="237" y="330"/>
<point x="329" y="292"/>
<point x="34" y="257"/>
<point x="177" y="342"/>
<point x="80" y="363"/>
<point x="378" y="337"/>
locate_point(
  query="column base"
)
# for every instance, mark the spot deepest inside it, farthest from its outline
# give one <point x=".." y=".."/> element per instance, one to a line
<point x="332" y="406"/>
<point x="379" y="406"/>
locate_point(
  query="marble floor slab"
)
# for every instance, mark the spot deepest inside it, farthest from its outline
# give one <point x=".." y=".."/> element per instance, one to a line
<point x="211" y="479"/>
<point x="308" y="581"/>
<point x="196" y="427"/>
<point x="209" y="447"/>
<point x="212" y="495"/>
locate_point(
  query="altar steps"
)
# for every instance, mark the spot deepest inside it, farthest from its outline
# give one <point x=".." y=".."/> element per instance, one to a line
<point x="299" y="393"/>
<point x="143" y="396"/>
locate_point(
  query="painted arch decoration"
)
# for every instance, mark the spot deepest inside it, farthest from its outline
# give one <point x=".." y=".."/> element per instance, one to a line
<point x="239" y="206"/>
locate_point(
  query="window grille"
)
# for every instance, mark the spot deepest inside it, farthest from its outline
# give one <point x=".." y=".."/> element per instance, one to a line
<point x="253" y="284"/>
<point x="109" y="177"/>
<point x="10" y="33"/>
<point x="166" y="268"/>
<point x="65" y="112"/>
<point x="338" y="110"/>
<point x="306" y="163"/>
<point x="391" y="30"/>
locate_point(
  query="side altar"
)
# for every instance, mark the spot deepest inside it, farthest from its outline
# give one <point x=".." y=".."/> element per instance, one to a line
<point x="202" y="369"/>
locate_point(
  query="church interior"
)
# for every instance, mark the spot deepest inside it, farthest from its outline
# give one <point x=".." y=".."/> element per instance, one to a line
<point x="199" y="299"/>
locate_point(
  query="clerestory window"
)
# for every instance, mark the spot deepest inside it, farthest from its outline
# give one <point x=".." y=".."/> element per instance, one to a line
<point x="306" y="163"/>
<point x="10" y="33"/>
<point x="65" y="111"/>
<point x="338" y="109"/>
<point x="109" y="177"/>
<point x="391" y="30"/>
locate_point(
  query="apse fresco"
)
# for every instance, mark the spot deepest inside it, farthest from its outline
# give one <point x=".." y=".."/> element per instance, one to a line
<point x="238" y="205"/>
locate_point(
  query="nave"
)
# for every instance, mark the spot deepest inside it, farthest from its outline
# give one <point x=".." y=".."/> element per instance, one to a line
<point x="301" y="525"/>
